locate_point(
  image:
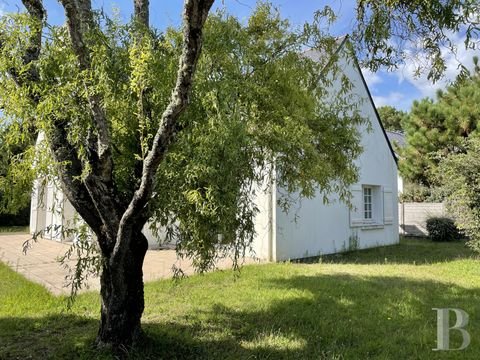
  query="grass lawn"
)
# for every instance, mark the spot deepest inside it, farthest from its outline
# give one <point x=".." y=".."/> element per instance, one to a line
<point x="371" y="304"/>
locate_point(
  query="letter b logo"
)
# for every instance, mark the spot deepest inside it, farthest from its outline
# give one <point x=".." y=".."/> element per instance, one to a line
<point x="443" y="328"/>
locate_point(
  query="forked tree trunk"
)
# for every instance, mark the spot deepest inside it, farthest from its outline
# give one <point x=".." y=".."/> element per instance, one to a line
<point x="122" y="297"/>
<point x="122" y="283"/>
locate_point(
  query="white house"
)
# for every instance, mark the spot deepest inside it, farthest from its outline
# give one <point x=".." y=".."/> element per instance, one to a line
<point x="315" y="228"/>
<point x="311" y="228"/>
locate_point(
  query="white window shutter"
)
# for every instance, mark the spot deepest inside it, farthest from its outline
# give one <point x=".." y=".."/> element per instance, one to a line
<point x="388" y="206"/>
<point x="356" y="213"/>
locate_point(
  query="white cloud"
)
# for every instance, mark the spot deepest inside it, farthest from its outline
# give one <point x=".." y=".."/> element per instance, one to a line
<point x="452" y="63"/>
<point x="392" y="99"/>
<point x="371" y="78"/>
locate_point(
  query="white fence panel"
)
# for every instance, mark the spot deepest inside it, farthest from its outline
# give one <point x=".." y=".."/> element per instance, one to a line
<point x="413" y="217"/>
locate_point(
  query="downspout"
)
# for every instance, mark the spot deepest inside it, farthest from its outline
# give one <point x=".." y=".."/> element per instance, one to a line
<point x="34" y="208"/>
<point x="270" y="218"/>
<point x="51" y="215"/>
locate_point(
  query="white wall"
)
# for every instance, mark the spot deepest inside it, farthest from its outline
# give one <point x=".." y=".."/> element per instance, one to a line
<point x="49" y="212"/>
<point x="314" y="228"/>
<point x="413" y="217"/>
<point x="37" y="213"/>
<point x="400" y="184"/>
<point x="263" y="244"/>
<point x="155" y="241"/>
<point x="311" y="229"/>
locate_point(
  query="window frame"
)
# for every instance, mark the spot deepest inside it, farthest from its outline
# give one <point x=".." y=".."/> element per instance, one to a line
<point x="368" y="206"/>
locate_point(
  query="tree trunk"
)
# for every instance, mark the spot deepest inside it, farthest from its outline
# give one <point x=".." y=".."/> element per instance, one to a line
<point x="122" y="297"/>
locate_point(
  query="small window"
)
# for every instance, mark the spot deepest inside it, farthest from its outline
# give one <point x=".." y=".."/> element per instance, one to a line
<point x="367" y="203"/>
<point x="368" y="212"/>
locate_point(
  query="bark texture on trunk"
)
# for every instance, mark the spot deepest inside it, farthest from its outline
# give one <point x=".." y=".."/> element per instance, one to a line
<point x="122" y="297"/>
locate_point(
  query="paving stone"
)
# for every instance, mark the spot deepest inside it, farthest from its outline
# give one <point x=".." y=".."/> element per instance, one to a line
<point x="41" y="266"/>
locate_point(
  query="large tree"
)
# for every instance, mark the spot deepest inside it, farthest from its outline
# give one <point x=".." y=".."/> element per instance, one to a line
<point x="134" y="138"/>
<point x="60" y="91"/>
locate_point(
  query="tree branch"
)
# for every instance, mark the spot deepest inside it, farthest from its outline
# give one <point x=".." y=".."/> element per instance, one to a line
<point x="75" y="190"/>
<point x="141" y="11"/>
<point x="194" y="17"/>
<point x="63" y="153"/>
<point x="80" y="21"/>
<point x="36" y="10"/>
<point x="99" y="182"/>
<point x="32" y="52"/>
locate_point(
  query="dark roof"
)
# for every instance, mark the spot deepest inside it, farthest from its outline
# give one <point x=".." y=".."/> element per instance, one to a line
<point x="396" y="137"/>
<point x="315" y="55"/>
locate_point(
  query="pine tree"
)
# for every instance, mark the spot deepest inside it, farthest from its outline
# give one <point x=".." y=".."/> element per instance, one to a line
<point x="436" y="128"/>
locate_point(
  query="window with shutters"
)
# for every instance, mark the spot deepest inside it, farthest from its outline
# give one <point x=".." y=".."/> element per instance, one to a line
<point x="372" y="206"/>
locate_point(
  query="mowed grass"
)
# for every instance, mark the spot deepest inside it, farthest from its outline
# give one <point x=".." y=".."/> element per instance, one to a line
<point x="371" y="304"/>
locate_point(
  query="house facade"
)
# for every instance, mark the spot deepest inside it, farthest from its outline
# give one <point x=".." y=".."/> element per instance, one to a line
<point x="312" y="228"/>
<point x="397" y="139"/>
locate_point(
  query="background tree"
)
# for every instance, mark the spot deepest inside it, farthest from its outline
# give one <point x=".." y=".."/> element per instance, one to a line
<point x="460" y="101"/>
<point x="392" y="118"/>
<point x="458" y="172"/>
<point x="427" y="29"/>
<point x="14" y="205"/>
<point x="426" y="131"/>
<point x="112" y="101"/>
<point x="459" y="177"/>
<point x="436" y="128"/>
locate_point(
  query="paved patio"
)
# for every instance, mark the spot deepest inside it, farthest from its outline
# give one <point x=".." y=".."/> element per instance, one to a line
<point x="40" y="264"/>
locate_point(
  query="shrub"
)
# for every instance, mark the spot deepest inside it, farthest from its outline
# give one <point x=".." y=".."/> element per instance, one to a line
<point x="459" y="176"/>
<point x="21" y="218"/>
<point x="442" y="229"/>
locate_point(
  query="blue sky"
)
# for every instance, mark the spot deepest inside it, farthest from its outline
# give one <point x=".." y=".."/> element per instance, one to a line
<point x="397" y="89"/>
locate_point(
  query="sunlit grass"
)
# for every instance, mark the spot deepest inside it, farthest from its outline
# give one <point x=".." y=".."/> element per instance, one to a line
<point x="362" y="305"/>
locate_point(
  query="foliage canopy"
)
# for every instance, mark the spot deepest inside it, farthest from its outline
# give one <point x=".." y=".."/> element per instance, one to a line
<point x="257" y="103"/>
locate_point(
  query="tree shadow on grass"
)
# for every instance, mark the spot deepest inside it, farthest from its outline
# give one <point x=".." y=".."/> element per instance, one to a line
<point x="415" y="251"/>
<point x="310" y="317"/>
<point x="46" y="337"/>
